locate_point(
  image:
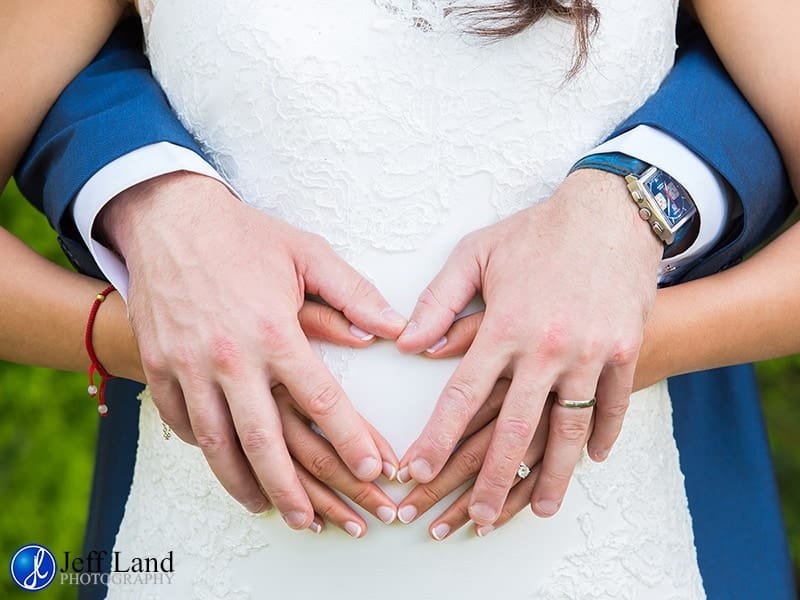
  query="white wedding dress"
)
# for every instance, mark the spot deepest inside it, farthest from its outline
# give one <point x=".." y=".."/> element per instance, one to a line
<point x="380" y="125"/>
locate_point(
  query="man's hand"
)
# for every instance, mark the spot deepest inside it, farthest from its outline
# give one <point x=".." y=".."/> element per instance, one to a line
<point x="568" y="286"/>
<point x="215" y="290"/>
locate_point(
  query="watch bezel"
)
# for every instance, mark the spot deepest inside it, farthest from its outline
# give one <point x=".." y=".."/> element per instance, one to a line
<point x="650" y="209"/>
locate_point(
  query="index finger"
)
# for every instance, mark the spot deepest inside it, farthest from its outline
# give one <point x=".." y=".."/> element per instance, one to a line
<point x="322" y="398"/>
<point x="464" y="394"/>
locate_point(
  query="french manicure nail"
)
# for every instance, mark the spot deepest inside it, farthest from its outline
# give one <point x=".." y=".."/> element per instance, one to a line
<point x="366" y="468"/>
<point x="437" y="346"/>
<point x="422" y="469"/>
<point x="407" y="513"/>
<point x="386" y="514"/>
<point x="393" y="316"/>
<point x="440" y="531"/>
<point x="353" y="528"/>
<point x="359" y="333"/>
<point x="403" y="476"/>
<point x="315" y="527"/>
<point x="410" y="329"/>
<point x="389" y="470"/>
<point x="294" y="519"/>
<point x="482" y="512"/>
<point x="484" y="530"/>
<point x="548" y="507"/>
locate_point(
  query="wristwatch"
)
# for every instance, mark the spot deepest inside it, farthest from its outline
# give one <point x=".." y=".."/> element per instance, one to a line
<point x="663" y="202"/>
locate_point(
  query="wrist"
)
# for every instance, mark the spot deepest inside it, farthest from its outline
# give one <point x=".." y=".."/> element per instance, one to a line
<point x="114" y="341"/>
<point x="134" y="215"/>
<point x="609" y="205"/>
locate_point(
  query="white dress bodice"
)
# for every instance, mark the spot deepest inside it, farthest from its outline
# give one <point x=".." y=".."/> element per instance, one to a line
<point x="382" y="126"/>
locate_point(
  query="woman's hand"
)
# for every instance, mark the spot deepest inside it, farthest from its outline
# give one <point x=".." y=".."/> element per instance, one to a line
<point x="566" y="307"/>
<point x="464" y="466"/>
<point x="322" y="473"/>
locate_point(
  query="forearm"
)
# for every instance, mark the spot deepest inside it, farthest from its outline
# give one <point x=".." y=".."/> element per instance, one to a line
<point x="44" y="44"/>
<point x="744" y="314"/>
<point x="43" y="312"/>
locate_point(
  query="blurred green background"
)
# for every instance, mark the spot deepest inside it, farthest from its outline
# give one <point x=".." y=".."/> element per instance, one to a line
<point x="48" y="430"/>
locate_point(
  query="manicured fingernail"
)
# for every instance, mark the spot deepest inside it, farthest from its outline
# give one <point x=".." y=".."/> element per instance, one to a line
<point x="386" y="514"/>
<point x="422" y="470"/>
<point x="362" y="335"/>
<point x="484" y="530"/>
<point x="353" y="528"/>
<point x="548" y="507"/>
<point x="389" y="470"/>
<point x="366" y="468"/>
<point x="480" y="512"/>
<point x="440" y="531"/>
<point x="295" y="519"/>
<point x="315" y="527"/>
<point x="407" y="513"/>
<point x="600" y="455"/>
<point x="393" y="316"/>
<point x="437" y="346"/>
<point x="403" y="476"/>
<point x="410" y="329"/>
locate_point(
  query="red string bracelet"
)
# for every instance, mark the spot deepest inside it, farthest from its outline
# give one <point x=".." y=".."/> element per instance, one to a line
<point x="96" y="366"/>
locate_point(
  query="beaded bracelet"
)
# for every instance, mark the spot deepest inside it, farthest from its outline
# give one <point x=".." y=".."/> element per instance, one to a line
<point x="96" y="366"/>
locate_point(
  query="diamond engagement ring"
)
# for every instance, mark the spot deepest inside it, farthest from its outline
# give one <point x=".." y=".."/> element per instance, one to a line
<point x="523" y="471"/>
<point x="577" y="403"/>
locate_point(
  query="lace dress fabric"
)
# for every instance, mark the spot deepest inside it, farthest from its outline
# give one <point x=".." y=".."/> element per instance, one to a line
<point x="385" y="128"/>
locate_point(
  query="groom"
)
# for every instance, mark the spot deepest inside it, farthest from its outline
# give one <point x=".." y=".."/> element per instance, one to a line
<point x="112" y="161"/>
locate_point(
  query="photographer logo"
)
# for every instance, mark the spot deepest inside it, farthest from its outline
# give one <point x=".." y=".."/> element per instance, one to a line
<point x="33" y="567"/>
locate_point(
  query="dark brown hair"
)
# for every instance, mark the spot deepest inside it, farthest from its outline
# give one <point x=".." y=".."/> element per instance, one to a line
<point x="514" y="16"/>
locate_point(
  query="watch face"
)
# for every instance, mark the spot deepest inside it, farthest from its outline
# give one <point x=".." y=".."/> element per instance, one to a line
<point x="674" y="201"/>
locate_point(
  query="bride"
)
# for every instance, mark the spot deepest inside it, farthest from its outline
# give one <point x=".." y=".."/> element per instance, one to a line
<point x="376" y="122"/>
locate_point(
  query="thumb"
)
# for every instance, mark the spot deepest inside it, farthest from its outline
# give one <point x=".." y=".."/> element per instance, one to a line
<point x="458" y="338"/>
<point x="329" y="325"/>
<point x="446" y="296"/>
<point x="328" y="276"/>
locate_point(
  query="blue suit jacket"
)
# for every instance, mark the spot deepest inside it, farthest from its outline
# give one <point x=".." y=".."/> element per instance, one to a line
<point x="114" y="107"/>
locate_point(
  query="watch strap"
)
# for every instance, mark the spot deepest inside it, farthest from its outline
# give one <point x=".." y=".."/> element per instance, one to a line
<point x="612" y="162"/>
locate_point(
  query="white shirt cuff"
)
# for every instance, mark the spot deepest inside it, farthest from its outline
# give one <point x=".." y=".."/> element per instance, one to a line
<point x="704" y="184"/>
<point x="116" y="177"/>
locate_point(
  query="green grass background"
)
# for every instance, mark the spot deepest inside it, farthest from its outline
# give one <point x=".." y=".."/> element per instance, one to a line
<point x="48" y="429"/>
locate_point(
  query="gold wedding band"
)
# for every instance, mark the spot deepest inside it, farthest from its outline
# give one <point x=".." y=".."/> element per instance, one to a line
<point x="577" y="403"/>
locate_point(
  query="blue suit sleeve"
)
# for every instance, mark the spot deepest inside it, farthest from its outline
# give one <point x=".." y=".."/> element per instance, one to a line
<point x="699" y="105"/>
<point x="111" y="108"/>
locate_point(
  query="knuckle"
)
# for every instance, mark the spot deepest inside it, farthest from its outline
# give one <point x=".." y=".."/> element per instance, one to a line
<point x="614" y="410"/>
<point x="324" y="400"/>
<point x="496" y="481"/>
<point x="212" y="443"/>
<point x="283" y="497"/>
<point x="515" y="430"/>
<point x="256" y="440"/>
<point x="154" y="364"/>
<point x="570" y="429"/>
<point x="431" y="494"/>
<point x="224" y="355"/>
<point x="555" y="340"/>
<point x="361" y="495"/>
<point x="272" y="334"/>
<point x="324" y="466"/>
<point x="555" y="480"/>
<point x="626" y="352"/>
<point x="469" y="463"/>
<point x="460" y="396"/>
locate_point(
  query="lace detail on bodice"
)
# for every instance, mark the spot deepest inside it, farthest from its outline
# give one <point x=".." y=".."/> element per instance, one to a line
<point x="345" y="121"/>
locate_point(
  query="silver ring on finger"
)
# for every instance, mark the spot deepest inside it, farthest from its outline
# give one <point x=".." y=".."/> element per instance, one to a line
<point x="577" y="403"/>
<point x="523" y="471"/>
